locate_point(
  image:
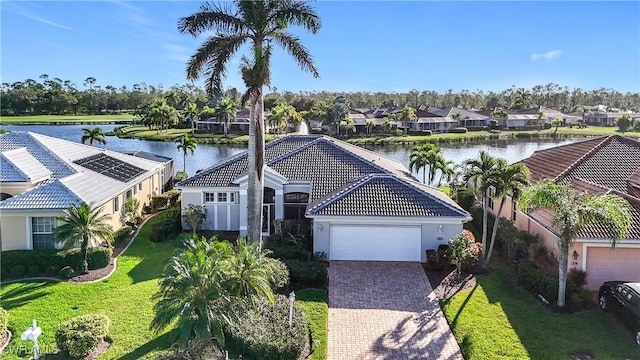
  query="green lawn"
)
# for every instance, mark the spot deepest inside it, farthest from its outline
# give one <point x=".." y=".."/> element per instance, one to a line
<point x="125" y="298"/>
<point x="314" y="305"/>
<point x="143" y="132"/>
<point x="63" y="118"/>
<point x="499" y="320"/>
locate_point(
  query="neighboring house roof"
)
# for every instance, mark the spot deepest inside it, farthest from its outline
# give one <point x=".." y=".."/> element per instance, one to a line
<point x="385" y="195"/>
<point x="148" y="156"/>
<point x="71" y="171"/>
<point x="331" y="166"/>
<point x="603" y="165"/>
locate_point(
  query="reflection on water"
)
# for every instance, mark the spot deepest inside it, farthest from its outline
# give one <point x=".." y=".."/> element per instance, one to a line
<point x="207" y="154"/>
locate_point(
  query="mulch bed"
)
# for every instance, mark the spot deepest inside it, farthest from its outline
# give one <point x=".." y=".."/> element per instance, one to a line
<point x="97" y="274"/>
<point x="445" y="283"/>
<point x="93" y="355"/>
<point x="4" y="340"/>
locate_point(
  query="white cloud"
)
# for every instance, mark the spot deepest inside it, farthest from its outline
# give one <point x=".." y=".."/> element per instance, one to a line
<point x="27" y="13"/>
<point x="549" y="55"/>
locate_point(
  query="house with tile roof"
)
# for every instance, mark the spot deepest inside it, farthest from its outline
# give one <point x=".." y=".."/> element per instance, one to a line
<point x="602" y="165"/>
<point x="41" y="176"/>
<point x="357" y="205"/>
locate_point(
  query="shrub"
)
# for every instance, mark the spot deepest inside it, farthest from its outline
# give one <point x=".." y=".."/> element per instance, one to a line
<point x="576" y="278"/>
<point x="131" y="211"/>
<point x="122" y="234"/>
<point x="437" y="259"/>
<point x="18" y="271"/>
<point x="463" y="250"/>
<point x="279" y="275"/>
<point x="167" y="226"/>
<point x="194" y="216"/>
<point x="99" y="257"/>
<point x="159" y="201"/>
<point x="636" y="125"/>
<point x="66" y="272"/>
<point x="465" y="198"/>
<point x="262" y="332"/>
<point x="288" y="246"/>
<point x="78" y="336"/>
<point x="537" y="280"/>
<point x="4" y="320"/>
<point x="307" y="273"/>
<point x="458" y="130"/>
<point x="581" y="298"/>
<point x="53" y="270"/>
<point x="33" y="270"/>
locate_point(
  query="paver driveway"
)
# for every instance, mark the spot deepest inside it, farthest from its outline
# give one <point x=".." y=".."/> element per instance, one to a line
<point x="385" y="310"/>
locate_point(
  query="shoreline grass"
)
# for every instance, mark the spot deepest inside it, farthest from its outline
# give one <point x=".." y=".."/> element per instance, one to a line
<point x="46" y="119"/>
<point x="499" y="320"/>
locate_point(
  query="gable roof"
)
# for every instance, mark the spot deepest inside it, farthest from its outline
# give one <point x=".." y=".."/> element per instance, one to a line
<point x="386" y="195"/>
<point x="332" y="166"/>
<point x="62" y="165"/>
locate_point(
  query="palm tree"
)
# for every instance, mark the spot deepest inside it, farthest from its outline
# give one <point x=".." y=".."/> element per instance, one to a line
<point x="186" y="144"/>
<point x="203" y="284"/>
<point x="160" y="113"/>
<point x="191" y="293"/>
<point x="478" y="173"/>
<point x="190" y="112"/>
<point x="93" y="135"/>
<point x="423" y="156"/>
<point x="505" y="180"/>
<point x="84" y="227"/>
<point x="406" y="116"/>
<point x="557" y="121"/>
<point x="225" y="113"/>
<point x="369" y="124"/>
<point x="447" y="171"/>
<point x="540" y="116"/>
<point x="500" y="115"/>
<point x="259" y="23"/>
<point x="521" y="99"/>
<point x="572" y="212"/>
<point x="281" y="115"/>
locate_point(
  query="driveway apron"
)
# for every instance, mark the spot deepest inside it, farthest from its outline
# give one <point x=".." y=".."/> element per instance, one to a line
<point x="385" y="310"/>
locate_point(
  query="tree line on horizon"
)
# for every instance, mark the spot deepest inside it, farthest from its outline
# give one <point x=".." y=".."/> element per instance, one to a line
<point x="54" y="96"/>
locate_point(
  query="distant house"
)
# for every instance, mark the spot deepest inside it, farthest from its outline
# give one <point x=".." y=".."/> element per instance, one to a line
<point x="40" y="176"/>
<point x="603" y="165"/>
<point x="239" y="125"/>
<point x="550" y="114"/>
<point x="603" y="118"/>
<point x="466" y="118"/>
<point x="432" y="121"/>
<point x="357" y="204"/>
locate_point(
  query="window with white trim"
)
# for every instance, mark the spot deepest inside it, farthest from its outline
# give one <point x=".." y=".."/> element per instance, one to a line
<point x="209" y="197"/>
<point x="116" y="204"/>
<point x="42" y="232"/>
<point x="140" y="187"/>
<point x="514" y="210"/>
<point x="222" y="197"/>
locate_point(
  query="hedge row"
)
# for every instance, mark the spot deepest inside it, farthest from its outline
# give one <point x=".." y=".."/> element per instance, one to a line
<point x="21" y="263"/>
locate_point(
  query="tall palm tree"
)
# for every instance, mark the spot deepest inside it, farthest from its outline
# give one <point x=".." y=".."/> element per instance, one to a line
<point x="426" y="156"/>
<point x="186" y="144"/>
<point x="406" y="116"/>
<point x="447" y="171"/>
<point x="500" y="115"/>
<point x="540" y="116"/>
<point x="572" y="212"/>
<point x="93" y="135"/>
<point x="225" y="113"/>
<point x="505" y="180"/>
<point x="260" y="24"/>
<point x="84" y="227"/>
<point x="478" y="173"/>
<point x="190" y="113"/>
<point x="369" y="124"/>
<point x="161" y="114"/>
<point x="521" y="99"/>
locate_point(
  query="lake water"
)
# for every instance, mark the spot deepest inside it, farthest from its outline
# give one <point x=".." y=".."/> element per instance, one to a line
<point x="207" y="154"/>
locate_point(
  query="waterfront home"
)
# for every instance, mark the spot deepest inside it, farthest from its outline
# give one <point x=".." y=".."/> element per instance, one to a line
<point x="41" y="176"/>
<point x="357" y="205"/>
<point x="603" y="165"/>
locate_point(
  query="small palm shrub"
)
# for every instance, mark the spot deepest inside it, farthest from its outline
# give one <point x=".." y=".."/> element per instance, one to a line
<point x="121" y="234"/>
<point x="262" y="332"/>
<point x="78" y="336"/>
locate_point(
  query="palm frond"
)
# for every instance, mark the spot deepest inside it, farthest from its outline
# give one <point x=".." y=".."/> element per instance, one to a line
<point x="218" y="16"/>
<point x="211" y="58"/>
<point x="297" y="13"/>
<point x="299" y="52"/>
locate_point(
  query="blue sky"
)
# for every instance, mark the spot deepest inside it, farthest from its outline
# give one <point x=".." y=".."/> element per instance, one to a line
<point x="362" y="45"/>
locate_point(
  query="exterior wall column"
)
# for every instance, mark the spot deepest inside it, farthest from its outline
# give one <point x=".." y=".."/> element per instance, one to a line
<point x="243" y="199"/>
<point x="279" y="204"/>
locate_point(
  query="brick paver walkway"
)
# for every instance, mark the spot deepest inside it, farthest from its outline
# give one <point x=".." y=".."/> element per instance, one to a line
<point x="385" y="310"/>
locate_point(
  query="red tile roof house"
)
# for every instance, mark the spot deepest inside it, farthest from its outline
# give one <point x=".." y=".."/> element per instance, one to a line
<point x="603" y="165"/>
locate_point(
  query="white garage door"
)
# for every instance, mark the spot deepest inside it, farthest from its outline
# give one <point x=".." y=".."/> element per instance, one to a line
<point x="375" y="243"/>
<point x="606" y="264"/>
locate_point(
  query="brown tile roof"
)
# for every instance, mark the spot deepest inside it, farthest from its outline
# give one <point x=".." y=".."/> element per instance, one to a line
<point x="604" y="165"/>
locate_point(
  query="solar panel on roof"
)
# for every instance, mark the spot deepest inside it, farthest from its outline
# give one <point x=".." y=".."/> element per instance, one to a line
<point x="110" y="166"/>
